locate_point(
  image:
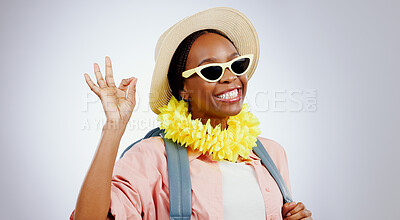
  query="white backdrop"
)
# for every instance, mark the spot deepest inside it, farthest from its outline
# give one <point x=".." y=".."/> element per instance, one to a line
<point x="326" y="89"/>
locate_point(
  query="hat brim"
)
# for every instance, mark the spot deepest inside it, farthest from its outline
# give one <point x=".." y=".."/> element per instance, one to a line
<point x="234" y="24"/>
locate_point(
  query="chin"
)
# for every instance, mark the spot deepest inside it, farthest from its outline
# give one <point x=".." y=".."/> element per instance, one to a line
<point x="230" y="110"/>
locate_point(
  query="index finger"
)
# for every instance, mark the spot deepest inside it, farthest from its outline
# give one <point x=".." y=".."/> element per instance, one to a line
<point x="109" y="73"/>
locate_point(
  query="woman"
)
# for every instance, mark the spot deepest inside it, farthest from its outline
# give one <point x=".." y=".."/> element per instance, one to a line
<point x="199" y="83"/>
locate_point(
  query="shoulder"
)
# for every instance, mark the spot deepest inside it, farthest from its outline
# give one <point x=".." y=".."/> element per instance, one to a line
<point x="149" y="152"/>
<point x="151" y="145"/>
<point x="274" y="149"/>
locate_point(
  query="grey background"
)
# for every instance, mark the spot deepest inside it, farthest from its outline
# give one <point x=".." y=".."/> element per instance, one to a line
<point x="342" y="151"/>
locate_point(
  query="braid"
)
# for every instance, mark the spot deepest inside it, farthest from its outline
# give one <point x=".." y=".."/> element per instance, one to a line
<point x="178" y="61"/>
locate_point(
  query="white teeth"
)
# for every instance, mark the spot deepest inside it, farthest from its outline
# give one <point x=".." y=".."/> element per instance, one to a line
<point x="229" y="95"/>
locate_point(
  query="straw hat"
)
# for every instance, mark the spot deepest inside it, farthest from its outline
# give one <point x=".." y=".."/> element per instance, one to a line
<point x="234" y="24"/>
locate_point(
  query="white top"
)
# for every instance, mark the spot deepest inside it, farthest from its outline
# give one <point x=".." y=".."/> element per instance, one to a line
<point x="242" y="198"/>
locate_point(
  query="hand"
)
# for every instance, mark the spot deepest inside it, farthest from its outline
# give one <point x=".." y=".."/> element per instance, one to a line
<point x="118" y="103"/>
<point x="295" y="211"/>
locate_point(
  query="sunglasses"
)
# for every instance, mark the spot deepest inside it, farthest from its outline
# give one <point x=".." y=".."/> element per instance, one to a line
<point x="213" y="72"/>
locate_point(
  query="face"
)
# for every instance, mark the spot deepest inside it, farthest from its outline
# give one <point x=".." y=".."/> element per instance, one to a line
<point x="207" y="99"/>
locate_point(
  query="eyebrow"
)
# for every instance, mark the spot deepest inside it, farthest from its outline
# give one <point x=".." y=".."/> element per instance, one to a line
<point x="213" y="59"/>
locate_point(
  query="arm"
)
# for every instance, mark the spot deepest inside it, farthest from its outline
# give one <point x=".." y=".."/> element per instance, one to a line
<point x="94" y="197"/>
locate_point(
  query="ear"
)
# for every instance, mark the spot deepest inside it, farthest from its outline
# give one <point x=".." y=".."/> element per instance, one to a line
<point x="184" y="93"/>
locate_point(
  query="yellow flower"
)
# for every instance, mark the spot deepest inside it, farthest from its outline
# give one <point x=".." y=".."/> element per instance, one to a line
<point x="228" y="144"/>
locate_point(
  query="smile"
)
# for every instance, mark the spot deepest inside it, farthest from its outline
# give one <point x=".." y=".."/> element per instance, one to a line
<point x="230" y="96"/>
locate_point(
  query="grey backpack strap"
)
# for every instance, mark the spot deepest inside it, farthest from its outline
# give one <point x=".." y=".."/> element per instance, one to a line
<point x="273" y="170"/>
<point x="180" y="187"/>
<point x="154" y="132"/>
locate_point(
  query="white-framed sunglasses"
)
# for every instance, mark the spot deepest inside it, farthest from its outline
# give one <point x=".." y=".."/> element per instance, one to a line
<point x="213" y="72"/>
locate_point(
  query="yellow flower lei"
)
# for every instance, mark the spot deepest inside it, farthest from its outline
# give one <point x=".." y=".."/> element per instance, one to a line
<point x="228" y="144"/>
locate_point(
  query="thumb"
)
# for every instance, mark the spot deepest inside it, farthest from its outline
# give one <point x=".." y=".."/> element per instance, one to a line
<point x="132" y="91"/>
<point x="287" y="207"/>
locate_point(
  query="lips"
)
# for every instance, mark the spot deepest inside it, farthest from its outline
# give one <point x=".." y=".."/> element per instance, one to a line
<point x="232" y="95"/>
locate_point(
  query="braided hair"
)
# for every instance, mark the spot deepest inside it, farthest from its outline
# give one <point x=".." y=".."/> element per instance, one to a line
<point x="178" y="61"/>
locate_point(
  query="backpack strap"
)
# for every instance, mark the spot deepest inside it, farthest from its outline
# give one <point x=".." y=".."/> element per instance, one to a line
<point x="273" y="170"/>
<point x="180" y="187"/>
<point x="154" y="132"/>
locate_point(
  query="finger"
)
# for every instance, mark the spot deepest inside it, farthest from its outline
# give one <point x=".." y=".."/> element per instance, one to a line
<point x="109" y="73"/>
<point x="303" y="214"/>
<point x="124" y="84"/>
<point x="99" y="77"/>
<point x="92" y="86"/>
<point x="299" y="207"/>
<point x="287" y="207"/>
<point x="131" y="91"/>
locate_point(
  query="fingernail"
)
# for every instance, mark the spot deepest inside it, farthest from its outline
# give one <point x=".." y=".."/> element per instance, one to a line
<point x="288" y="214"/>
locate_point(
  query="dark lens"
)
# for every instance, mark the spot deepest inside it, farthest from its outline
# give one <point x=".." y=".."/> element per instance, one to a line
<point x="212" y="72"/>
<point x="241" y="65"/>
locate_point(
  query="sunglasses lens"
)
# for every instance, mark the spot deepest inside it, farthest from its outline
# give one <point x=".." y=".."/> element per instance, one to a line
<point x="212" y="72"/>
<point x="240" y="66"/>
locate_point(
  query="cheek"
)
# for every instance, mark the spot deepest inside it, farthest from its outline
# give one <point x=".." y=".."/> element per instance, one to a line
<point x="198" y="88"/>
<point x="243" y="80"/>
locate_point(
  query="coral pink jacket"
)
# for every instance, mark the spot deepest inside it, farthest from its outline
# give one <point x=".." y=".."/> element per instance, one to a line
<point x="139" y="188"/>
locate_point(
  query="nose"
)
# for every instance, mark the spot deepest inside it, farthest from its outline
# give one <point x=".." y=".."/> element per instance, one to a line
<point x="228" y="76"/>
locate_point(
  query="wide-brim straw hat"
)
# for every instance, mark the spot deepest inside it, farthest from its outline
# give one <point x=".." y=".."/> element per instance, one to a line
<point x="234" y="24"/>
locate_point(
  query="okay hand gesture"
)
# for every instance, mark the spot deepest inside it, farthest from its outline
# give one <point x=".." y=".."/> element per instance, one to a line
<point x="118" y="103"/>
